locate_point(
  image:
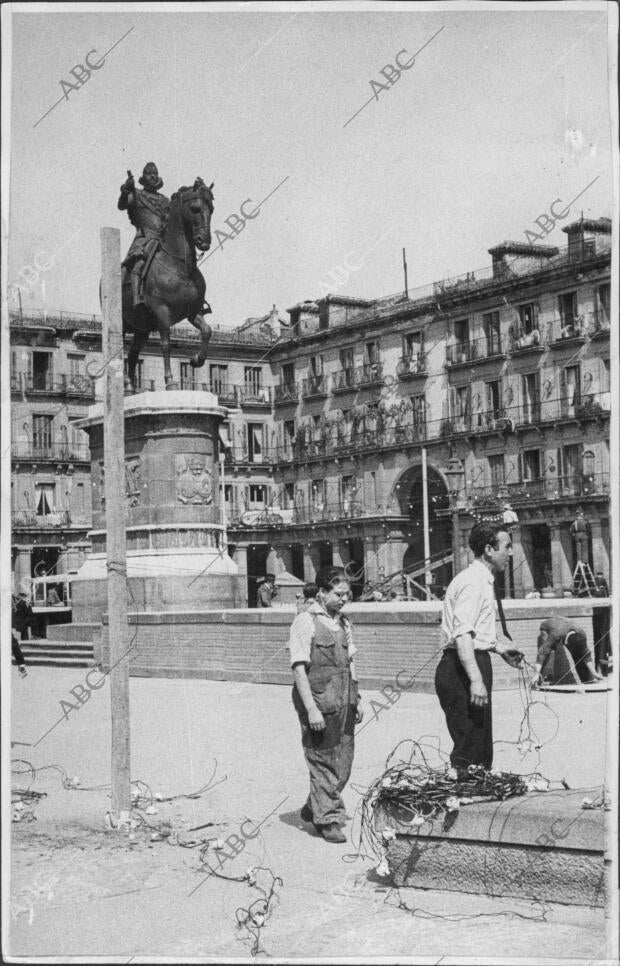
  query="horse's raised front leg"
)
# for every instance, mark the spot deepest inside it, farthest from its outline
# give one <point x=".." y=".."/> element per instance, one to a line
<point x="198" y="359"/>
<point x="163" y="326"/>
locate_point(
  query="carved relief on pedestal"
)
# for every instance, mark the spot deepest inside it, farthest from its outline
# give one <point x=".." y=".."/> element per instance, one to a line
<point x="133" y="480"/>
<point x="194" y="482"/>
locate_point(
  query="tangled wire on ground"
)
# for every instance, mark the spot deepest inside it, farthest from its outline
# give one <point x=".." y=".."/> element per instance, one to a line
<point x="419" y="793"/>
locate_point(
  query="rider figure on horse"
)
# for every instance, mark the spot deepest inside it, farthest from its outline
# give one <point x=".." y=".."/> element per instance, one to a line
<point x="147" y="210"/>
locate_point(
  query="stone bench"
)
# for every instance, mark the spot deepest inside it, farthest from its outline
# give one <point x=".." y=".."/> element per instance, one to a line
<point x="541" y="846"/>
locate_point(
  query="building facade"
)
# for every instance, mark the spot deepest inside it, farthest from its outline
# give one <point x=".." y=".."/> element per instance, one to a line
<point x="486" y="390"/>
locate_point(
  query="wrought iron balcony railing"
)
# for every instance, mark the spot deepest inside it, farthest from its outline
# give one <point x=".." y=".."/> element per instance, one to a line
<point x="40" y="521"/>
<point x="286" y="392"/>
<point x="314" y="386"/>
<point x="410" y="366"/>
<point x="254" y="395"/>
<point x="57" y="385"/>
<point x="566" y="330"/>
<point x="475" y="350"/>
<point x="527" y="341"/>
<point x="343" y="381"/>
<point x="24" y="450"/>
<point x="370" y="374"/>
<point x="580" y="406"/>
<point x="543" y="488"/>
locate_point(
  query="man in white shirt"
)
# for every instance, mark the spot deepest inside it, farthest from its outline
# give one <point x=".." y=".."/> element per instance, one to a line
<point x="464" y="676"/>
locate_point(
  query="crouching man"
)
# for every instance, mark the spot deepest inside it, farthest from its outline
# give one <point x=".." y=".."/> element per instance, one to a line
<point x="326" y="698"/>
<point x="563" y="654"/>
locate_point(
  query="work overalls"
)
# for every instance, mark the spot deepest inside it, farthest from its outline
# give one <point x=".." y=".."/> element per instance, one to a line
<point x="329" y="753"/>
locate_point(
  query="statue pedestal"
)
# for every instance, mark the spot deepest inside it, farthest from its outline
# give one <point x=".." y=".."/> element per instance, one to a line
<point x="176" y="553"/>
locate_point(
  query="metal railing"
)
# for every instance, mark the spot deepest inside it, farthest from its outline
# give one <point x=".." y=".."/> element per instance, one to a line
<point x="597" y="323"/>
<point x="255" y="395"/>
<point x="522" y="340"/>
<point x="344" y="380"/>
<point x="286" y="392"/>
<point x="314" y="386"/>
<point x="22" y="449"/>
<point x="412" y="365"/>
<point x="53" y="384"/>
<point x="542" y="488"/>
<point x="506" y="418"/>
<point x="474" y="350"/>
<point x="370" y="374"/>
<point x="236" y="455"/>
<point x="28" y="518"/>
<point x="342" y="442"/>
<point x="567" y="329"/>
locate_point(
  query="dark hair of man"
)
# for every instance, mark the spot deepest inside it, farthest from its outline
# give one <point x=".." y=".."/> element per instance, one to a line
<point x="326" y="579"/>
<point x="483" y="534"/>
<point x="309" y="590"/>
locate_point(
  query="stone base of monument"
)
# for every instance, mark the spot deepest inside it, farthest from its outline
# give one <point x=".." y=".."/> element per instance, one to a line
<point x="542" y="846"/>
<point x="176" y="548"/>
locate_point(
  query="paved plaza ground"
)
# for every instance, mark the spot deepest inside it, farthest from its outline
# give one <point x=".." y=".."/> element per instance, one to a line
<point x="95" y="895"/>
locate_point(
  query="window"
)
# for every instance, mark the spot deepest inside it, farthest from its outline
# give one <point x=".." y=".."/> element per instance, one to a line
<point x="605" y="376"/>
<point x="257" y="495"/>
<point x="531" y="464"/>
<point x="496" y="469"/>
<point x="460" y="406"/>
<point x="567" y="306"/>
<point x="255" y="442"/>
<point x="412" y="345"/>
<point x="347" y="365"/>
<point x="603" y="296"/>
<point x="371" y="353"/>
<point x="289" y="430"/>
<point x="218" y="376"/>
<point x="571" y="388"/>
<point x="528" y="317"/>
<point x="42" y="370"/>
<point x="315" y="366"/>
<point x="490" y="322"/>
<point x="531" y="397"/>
<point x="317" y="494"/>
<point x="42" y="433"/>
<point x="45" y="494"/>
<point x="139" y="376"/>
<point x="461" y="332"/>
<point x="228" y="493"/>
<point x="187" y="376"/>
<point x="76" y="364"/>
<point x="252" y="380"/>
<point x="347" y="493"/>
<point x="494" y="399"/>
<point x="418" y="404"/>
<point x="288" y="375"/>
<point x="288" y="496"/>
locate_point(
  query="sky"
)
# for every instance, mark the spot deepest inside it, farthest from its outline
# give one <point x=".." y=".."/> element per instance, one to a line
<point x="503" y="112"/>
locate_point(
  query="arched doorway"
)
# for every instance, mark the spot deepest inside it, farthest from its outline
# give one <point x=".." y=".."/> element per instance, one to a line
<point x="408" y="492"/>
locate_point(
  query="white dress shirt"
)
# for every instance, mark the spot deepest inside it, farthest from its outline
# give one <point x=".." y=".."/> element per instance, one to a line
<point x="469" y="608"/>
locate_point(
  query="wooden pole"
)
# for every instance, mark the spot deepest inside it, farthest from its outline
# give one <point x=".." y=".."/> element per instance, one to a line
<point x="114" y="463"/>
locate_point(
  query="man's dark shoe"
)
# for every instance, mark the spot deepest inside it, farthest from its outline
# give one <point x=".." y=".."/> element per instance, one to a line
<point x="306" y="813"/>
<point x="332" y="833"/>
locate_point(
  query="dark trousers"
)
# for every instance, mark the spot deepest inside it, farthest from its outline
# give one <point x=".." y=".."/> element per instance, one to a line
<point x="17" y="651"/>
<point x="470" y="727"/>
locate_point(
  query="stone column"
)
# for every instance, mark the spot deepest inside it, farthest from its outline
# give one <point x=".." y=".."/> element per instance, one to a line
<point x="311" y="563"/>
<point x="561" y="556"/>
<point x="279" y="559"/>
<point x="521" y="557"/>
<point x="371" y="560"/>
<point x="23" y="567"/>
<point x="600" y="547"/>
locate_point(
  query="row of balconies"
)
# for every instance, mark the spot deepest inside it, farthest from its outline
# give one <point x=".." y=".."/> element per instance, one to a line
<point x="348" y="380"/>
<point x="53" y="384"/>
<point x="535" y="412"/>
<point x="543" y="488"/>
<point x="44" y="450"/>
<point x="232" y="395"/>
<point x="555" y="332"/>
<point x="28" y="519"/>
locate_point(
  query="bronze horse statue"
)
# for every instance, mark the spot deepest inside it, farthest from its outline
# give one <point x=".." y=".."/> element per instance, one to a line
<point x="174" y="288"/>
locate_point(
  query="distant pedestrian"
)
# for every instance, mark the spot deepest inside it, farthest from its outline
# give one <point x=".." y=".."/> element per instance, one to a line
<point x="464" y="676"/>
<point x="306" y="597"/>
<point x="326" y="698"/>
<point x="22" y="618"/>
<point x="267" y="591"/>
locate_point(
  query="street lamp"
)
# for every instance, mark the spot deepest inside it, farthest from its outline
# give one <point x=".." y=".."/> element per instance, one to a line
<point x="454" y="474"/>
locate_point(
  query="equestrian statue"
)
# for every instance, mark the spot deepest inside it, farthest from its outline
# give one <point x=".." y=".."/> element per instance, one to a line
<point x="161" y="282"/>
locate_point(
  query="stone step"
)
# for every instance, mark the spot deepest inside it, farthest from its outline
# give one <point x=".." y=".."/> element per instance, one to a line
<point x="79" y="647"/>
<point x="57" y="662"/>
<point x="72" y="632"/>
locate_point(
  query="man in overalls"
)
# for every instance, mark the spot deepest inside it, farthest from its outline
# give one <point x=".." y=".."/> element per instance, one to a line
<point x="326" y="698"/>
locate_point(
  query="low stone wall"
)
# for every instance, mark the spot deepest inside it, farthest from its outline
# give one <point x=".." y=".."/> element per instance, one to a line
<point x="250" y="645"/>
<point x="541" y="846"/>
